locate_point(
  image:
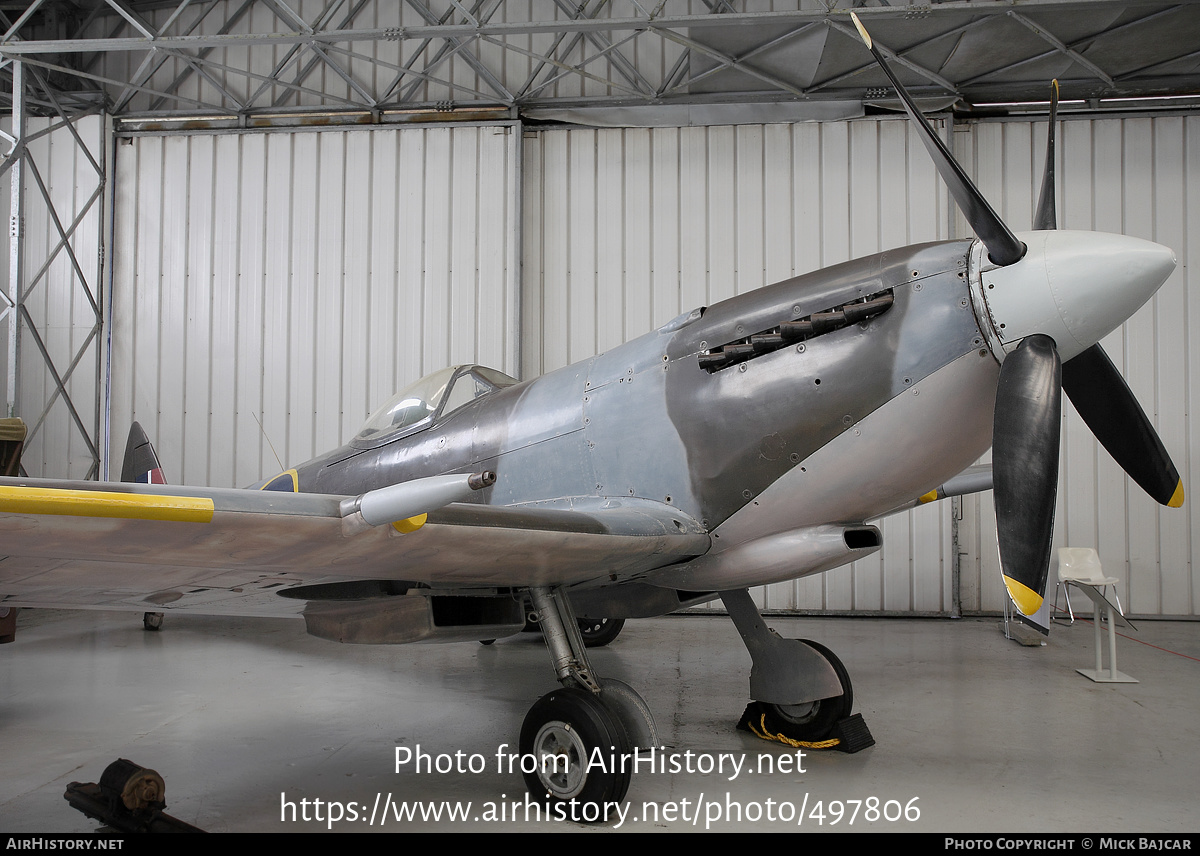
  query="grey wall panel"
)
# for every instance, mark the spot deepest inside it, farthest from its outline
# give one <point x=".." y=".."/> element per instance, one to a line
<point x="297" y="280"/>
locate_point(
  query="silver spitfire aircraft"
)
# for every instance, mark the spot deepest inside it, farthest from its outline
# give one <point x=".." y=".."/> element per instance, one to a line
<point x="772" y="428"/>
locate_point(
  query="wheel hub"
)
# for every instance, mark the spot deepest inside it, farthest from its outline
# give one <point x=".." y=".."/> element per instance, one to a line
<point x="561" y="760"/>
<point x="799" y="714"/>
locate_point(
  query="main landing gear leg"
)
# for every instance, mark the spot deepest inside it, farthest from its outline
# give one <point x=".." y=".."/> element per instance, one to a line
<point x="801" y="690"/>
<point x="586" y="721"/>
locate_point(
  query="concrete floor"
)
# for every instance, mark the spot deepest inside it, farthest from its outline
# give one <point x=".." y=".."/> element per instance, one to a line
<point x="975" y="732"/>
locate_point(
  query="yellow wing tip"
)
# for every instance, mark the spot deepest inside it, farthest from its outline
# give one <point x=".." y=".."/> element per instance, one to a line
<point x="19" y="499"/>
<point x="1025" y="598"/>
<point x="1177" y="496"/>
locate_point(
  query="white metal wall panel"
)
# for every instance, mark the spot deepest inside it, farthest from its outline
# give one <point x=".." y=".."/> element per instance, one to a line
<point x="57" y="301"/>
<point x="298" y="279"/>
<point x="625" y="229"/>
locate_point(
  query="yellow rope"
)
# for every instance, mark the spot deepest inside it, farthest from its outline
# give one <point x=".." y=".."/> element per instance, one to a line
<point x="795" y="744"/>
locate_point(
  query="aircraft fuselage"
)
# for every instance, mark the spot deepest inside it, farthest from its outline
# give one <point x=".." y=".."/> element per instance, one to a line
<point x="645" y="422"/>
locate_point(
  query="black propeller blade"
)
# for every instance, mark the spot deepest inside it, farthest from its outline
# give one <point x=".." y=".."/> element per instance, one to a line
<point x="1046" y="217"/>
<point x="1108" y="407"/>
<point x="1099" y="392"/>
<point x="1025" y="437"/>
<point x="1002" y="245"/>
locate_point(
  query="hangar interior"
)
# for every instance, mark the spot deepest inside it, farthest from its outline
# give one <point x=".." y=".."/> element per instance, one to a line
<point x="245" y="223"/>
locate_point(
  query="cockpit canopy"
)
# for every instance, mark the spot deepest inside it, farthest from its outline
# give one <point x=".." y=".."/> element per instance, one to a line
<point x="433" y="396"/>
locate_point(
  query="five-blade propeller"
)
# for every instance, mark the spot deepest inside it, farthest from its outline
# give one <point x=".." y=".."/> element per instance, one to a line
<point x="1027" y="423"/>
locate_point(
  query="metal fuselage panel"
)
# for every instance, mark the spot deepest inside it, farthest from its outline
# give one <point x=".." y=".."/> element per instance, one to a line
<point x="644" y="422"/>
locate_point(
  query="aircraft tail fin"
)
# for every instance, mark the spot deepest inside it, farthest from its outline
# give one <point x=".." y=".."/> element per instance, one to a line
<point x="141" y="461"/>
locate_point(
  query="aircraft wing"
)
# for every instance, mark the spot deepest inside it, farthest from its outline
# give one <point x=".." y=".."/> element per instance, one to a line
<point x="221" y="551"/>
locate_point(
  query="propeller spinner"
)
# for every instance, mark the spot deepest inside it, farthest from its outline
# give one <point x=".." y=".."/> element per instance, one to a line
<point x="1044" y="303"/>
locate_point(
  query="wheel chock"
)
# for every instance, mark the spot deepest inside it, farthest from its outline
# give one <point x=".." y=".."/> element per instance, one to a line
<point x="852" y="734"/>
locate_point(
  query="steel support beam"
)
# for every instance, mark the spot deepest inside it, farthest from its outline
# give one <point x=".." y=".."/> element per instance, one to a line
<point x="59" y="288"/>
<point x="16" y="219"/>
<point x="437" y="29"/>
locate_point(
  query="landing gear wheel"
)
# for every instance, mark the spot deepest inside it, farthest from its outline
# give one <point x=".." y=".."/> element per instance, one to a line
<point x="562" y="730"/>
<point x="812" y="721"/>
<point x="598" y="632"/>
<point x="152" y="620"/>
<point x="632" y="712"/>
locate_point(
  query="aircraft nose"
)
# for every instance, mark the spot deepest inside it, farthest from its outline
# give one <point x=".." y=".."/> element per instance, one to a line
<point x="1075" y="287"/>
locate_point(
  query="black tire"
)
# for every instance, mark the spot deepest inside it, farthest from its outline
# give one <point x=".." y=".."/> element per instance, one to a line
<point x="813" y="722"/>
<point x="598" y="632"/>
<point x="152" y="620"/>
<point x="568" y="725"/>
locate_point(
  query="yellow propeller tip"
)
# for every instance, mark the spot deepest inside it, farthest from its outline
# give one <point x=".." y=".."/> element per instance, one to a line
<point x="1025" y="598"/>
<point x="928" y="497"/>
<point x="1177" y="496"/>
<point x="862" y="31"/>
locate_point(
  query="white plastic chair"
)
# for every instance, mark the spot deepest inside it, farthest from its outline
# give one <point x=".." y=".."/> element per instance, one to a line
<point x="1081" y="565"/>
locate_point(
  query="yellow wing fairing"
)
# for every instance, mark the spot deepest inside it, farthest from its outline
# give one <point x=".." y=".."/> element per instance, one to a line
<point x="20" y="499"/>
<point x="287" y="481"/>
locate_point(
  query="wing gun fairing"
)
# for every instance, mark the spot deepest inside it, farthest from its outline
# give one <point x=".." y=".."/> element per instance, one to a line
<point x="771" y="429"/>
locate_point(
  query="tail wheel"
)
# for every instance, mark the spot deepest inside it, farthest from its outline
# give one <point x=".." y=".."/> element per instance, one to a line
<point x="598" y="632"/>
<point x="564" y="731"/>
<point x="811" y="722"/>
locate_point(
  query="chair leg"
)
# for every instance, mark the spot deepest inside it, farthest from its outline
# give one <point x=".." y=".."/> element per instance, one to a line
<point x="1060" y="585"/>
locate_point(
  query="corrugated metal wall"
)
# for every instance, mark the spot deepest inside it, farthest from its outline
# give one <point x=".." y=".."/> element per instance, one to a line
<point x="57" y="296"/>
<point x="302" y="276"/>
<point x="299" y="279"/>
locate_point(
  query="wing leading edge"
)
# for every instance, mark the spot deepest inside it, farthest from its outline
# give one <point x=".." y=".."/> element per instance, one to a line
<point x="222" y="551"/>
